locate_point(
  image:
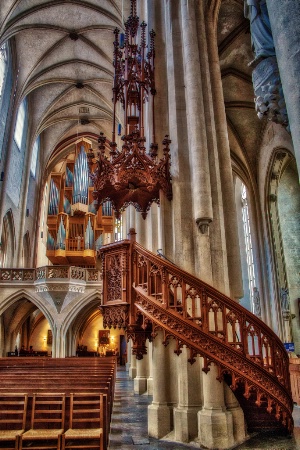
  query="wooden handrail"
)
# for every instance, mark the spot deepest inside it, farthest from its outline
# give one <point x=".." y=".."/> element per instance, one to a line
<point x="215" y="327"/>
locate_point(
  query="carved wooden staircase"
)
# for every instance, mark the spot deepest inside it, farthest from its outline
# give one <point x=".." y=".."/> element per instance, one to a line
<point x="143" y="293"/>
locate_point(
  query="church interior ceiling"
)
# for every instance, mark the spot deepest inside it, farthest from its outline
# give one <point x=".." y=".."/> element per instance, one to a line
<point x="64" y="61"/>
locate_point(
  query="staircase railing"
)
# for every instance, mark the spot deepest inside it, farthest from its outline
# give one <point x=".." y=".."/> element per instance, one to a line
<point x="215" y="327"/>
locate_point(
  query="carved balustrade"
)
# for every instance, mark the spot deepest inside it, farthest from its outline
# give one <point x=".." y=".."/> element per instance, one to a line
<point x="50" y="273"/>
<point x="211" y="311"/>
<point x="16" y="275"/>
<point x="248" y="354"/>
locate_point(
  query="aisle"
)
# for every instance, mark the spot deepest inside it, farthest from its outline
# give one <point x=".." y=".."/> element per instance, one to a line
<point x="129" y="425"/>
<point x="129" y="428"/>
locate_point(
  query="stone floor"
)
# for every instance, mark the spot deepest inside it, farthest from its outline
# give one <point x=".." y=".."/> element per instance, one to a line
<point x="129" y="425"/>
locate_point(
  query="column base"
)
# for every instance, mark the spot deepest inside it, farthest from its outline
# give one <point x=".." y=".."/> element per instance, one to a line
<point x="239" y="429"/>
<point x="159" y="420"/>
<point x="150" y="386"/>
<point x="127" y="366"/>
<point x="132" y="372"/>
<point x="215" y="429"/>
<point x="186" y="423"/>
<point x="140" y="385"/>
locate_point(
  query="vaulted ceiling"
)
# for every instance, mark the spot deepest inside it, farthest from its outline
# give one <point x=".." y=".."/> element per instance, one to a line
<point x="64" y="60"/>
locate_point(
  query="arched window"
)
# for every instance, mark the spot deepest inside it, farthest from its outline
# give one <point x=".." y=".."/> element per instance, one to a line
<point x="251" y="298"/>
<point x="7" y="241"/>
<point x="26" y="250"/>
<point x="6" y="81"/>
<point x="3" y="66"/>
<point x="284" y="212"/>
<point x="248" y="243"/>
<point x="34" y="157"/>
<point x="20" y="122"/>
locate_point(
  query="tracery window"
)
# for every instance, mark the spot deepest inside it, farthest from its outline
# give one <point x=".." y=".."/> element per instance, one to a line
<point x="248" y="243"/>
<point x="34" y="157"/>
<point x="3" y="65"/>
<point x="20" y="122"/>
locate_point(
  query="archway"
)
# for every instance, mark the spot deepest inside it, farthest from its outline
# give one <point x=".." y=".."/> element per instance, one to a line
<point x="25" y="329"/>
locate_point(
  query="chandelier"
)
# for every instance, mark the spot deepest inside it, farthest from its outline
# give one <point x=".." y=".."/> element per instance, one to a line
<point x="131" y="176"/>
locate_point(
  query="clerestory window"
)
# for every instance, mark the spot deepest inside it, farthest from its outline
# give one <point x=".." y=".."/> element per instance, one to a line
<point x="34" y="157"/>
<point x="3" y="65"/>
<point x="248" y="244"/>
<point x="20" y="123"/>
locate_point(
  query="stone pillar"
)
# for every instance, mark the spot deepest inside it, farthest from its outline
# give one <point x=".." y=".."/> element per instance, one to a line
<point x="197" y="139"/>
<point x="125" y="223"/>
<point x="233" y="406"/>
<point x="132" y="223"/>
<point x="60" y="351"/>
<point x="140" y="228"/>
<point x="215" y="424"/>
<point x="226" y="265"/>
<point x="129" y="356"/>
<point x="159" y="420"/>
<point x="150" y="373"/>
<point x="155" y="15"/>
<point x="285" y="18"/>
<point x="132" y="368"/>
<point x="140" y="381"/>
<point x="182" y="250"/>
<point x="189" y="395"/>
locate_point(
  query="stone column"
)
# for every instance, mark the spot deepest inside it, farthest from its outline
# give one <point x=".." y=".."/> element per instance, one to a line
<point x="150" y="373"/>
<point x="155" y="16"/>
<point x="58" y="345"/>
<point x="132" y="368"/>
<point x="189" y="395"/>
<point x="159" y="420"/>
<point x="129" y="356"/>
<point x="226" y="266"/>
<point x="125" y="223"/>
<point x="214" y="422"/>
<point x="140" y="381"/>
<point x="285" y="19"/>
<point x="140" y="228"/>
<point x="132" y="219"/>
<point x="182" y="250"/>
<point x="233" y="406"/>
<point x="197" y="139"/>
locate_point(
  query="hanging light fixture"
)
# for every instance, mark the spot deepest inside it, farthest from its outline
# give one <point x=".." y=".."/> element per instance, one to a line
<point x="132" y="176"/>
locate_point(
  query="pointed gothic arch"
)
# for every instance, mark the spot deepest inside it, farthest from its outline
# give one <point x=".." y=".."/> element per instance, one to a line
<point x="283" y="211"/>
<point x="8" y="240"/>
<point x="26" y="251"/>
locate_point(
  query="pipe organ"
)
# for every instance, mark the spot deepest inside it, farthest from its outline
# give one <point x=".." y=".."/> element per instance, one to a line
<point x="76" y="230"/>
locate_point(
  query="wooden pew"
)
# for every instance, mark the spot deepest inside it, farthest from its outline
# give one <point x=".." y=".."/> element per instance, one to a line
<point x="13" y="410"/>
<point x="34" y="376"/>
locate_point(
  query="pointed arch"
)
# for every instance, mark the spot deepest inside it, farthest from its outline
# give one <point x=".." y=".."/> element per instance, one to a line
<point x="283" y="210"/>
<point x="26" y="251"/>
<point x="8" y="240"/>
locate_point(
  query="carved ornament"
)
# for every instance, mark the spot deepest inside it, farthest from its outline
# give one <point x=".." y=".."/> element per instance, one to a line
<point x="115" y="316"/>
<point x="214" y="350"/>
